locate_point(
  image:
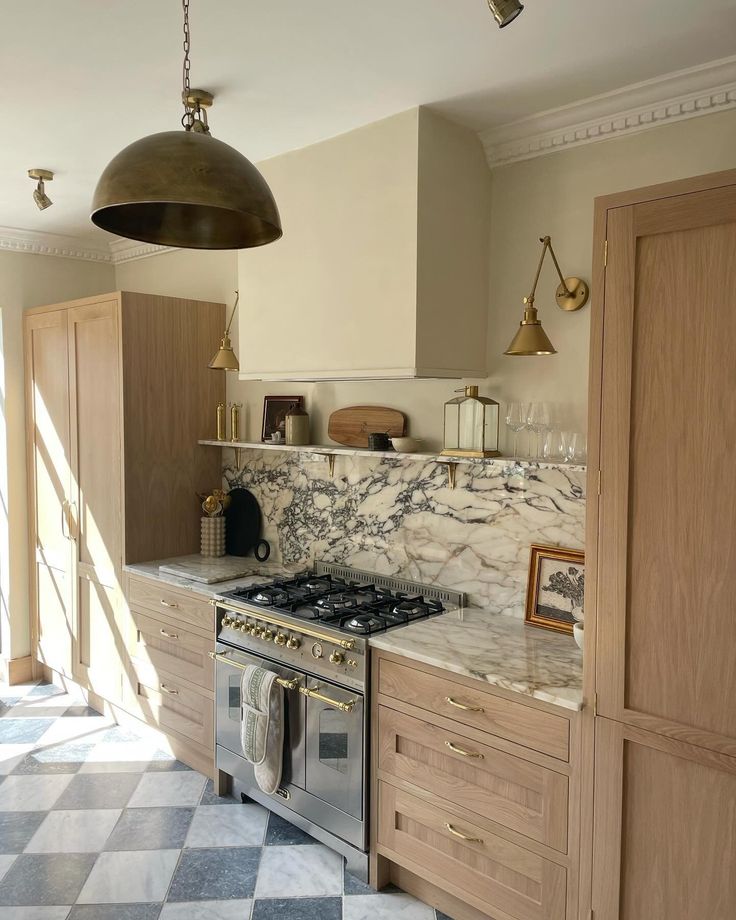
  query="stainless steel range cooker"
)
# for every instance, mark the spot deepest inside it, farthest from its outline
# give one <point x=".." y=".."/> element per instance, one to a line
<point x="312" y="630"/>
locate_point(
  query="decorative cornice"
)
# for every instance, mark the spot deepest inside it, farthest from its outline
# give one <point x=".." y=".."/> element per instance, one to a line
<point x="51" y="244"/>
<point x="674" y="97"/>
<point x="129" y="250"/>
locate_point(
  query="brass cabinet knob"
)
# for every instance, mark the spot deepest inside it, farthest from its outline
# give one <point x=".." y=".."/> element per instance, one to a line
<point x="337" y="658"/>
<point x="292" y="642"/>
<point x="280" y="639"/>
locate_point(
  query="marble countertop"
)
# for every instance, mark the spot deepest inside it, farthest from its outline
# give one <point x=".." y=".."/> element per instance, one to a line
<point x="257" y="572"/>
<point x="499" y="650"/>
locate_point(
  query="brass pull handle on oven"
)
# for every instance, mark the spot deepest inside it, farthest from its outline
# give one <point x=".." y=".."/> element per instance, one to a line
<point x="465" y="837"/>
<point x="316" y="695"/>
<point x="168" y="690"/>
<point x="463" y="706"/>
<point x="281" y="681"/>
<point x="169" y="604"/>
<point x="458" y="750"/>
<point x="168" y="635"/>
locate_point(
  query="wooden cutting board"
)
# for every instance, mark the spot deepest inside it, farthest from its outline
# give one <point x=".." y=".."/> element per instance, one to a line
<point x="351" y="426"/>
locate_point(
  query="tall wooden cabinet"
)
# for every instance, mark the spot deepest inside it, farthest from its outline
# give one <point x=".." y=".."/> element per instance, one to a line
<point x="118" y="393"/>
<point x="662" y="567"/>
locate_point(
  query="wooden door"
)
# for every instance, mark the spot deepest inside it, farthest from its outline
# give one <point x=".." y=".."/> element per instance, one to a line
<point x="96" y="447"/>
<point x="47" y="428"/>
<point x="665" y="809"/>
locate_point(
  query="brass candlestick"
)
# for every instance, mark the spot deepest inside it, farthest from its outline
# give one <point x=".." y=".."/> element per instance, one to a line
<point x="235" y="421"/>
<point x="221" y="422"/>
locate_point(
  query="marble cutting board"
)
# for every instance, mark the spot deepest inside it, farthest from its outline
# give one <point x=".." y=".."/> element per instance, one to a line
<point x="208" y="570"/>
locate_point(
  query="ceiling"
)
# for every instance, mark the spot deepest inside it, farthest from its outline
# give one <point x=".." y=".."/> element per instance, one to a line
<point x="86" y="77"/>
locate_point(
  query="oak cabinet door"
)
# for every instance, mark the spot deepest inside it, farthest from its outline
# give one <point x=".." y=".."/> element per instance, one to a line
<point x="47" y="419"/>
<point x="96" y="448"/>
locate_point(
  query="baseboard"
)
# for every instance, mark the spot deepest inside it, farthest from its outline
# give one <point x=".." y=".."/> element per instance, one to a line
<point x="16" y="670"/>
<point x="434" y="896"/>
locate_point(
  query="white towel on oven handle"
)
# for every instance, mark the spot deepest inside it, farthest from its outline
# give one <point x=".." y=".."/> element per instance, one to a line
<point x="262" y="725"/>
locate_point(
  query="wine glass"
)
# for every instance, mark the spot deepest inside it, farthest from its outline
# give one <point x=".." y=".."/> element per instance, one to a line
<point x="516" y="420"/>
<point x="537" y="420"/>
<point x="577" y="448"/>
<point x="555" y="445"/>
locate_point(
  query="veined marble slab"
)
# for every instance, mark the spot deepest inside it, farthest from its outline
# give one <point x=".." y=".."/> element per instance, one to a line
<point x="256" y="572"/>
<point x="399" y="517"/>
<point x="500" y="651"/>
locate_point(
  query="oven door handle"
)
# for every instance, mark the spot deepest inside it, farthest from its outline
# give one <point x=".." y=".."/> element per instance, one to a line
<point x="286" y="684"/>
<point x="348" y="706"/>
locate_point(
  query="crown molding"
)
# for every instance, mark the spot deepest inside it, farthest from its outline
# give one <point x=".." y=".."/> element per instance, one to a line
<point x="673" y="97"/>
<point x="122" y="250"/>
<point x="38" y="243"/>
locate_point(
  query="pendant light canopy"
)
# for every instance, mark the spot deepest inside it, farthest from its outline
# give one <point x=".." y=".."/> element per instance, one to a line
<point x="185" y="188"/>
<point x="571" y="294"/>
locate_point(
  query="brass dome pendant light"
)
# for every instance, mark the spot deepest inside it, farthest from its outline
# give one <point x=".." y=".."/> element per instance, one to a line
<point x="185" y="188"/>
<point x="571" y="295"/>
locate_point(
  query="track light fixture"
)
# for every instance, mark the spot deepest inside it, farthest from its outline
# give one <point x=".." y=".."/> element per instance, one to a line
<point x="39" y="193"/>
<point x="505" y="11"/>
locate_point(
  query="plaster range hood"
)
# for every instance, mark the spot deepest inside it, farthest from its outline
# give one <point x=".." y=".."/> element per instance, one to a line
<point x="382" y="272"/>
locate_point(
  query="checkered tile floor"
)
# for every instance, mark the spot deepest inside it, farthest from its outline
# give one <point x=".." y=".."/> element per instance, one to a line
<point x="97" y="823"/>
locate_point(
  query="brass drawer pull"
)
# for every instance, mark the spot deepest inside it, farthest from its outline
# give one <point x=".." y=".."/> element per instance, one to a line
<point x="315" y="695"/>
<point x="449" y="699"/>
<point x="168" y="634"/>
<point x="169" y="604"/>
<point x="465" y="837"/>
<point x="458" y="750"/>
<point x="169" y="690"/>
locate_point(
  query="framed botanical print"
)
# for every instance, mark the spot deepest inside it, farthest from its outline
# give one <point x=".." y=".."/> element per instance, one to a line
<point x="556" y="587"/>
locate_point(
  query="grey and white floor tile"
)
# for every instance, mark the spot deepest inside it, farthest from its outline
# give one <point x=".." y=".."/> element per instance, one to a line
<point x="97" y="822"/>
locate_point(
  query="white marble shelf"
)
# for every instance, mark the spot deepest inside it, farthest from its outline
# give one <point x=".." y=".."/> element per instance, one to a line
<point x="328" y="451"/>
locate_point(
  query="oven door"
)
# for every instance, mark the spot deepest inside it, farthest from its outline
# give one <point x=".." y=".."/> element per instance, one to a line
<point x="229" y="709"/>
<point x="335" y="746"/>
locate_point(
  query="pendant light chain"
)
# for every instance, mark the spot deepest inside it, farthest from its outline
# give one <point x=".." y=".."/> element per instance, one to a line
<point x="188" y="117"/>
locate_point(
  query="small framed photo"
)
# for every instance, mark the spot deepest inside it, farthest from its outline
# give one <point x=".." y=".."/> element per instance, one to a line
<point x="556" y="587"/>
<point x="274" y="415"/>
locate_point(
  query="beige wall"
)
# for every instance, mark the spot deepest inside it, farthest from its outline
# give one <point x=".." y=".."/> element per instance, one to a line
<point x="26" y="280"/>
<point x="552" y="194"/>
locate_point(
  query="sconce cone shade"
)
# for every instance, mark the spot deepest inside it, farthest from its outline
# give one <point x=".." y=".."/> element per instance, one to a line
<point x="186" y="189"/>
<point x="531" y="339"/>
<point x="505" y="11"/>
<point x="224" y="358"/>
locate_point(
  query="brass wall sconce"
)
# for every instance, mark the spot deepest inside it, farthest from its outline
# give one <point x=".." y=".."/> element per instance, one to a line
<point x="224" y="358"/>
<point x="39" y="194"/>
<point x="571" y="294"/>
<point x="505" y="11"/>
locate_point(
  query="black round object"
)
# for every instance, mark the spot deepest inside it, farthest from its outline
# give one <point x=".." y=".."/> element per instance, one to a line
<point x="243" y="525"/>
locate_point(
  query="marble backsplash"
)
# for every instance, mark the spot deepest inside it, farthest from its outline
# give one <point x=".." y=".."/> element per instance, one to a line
<point x="399" y="517"/>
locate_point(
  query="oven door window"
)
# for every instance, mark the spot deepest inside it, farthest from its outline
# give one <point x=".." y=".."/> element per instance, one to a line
<point x="335" y="749"/>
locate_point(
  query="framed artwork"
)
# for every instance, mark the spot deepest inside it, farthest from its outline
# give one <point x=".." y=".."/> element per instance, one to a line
<point x="556" y="587"/>
<point x="274" y="414"/>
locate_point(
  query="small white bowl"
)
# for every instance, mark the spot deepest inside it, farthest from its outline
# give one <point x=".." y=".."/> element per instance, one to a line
<point x="406" y="445"/>
<point x="577" y="632"/>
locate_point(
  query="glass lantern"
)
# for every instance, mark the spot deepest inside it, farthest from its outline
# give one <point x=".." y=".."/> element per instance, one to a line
<point x="471" y="425"/>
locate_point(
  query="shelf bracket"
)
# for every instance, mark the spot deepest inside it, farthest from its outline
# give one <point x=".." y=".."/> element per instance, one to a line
<point x="238" y="458"/>
<point x="331" y="464"/>
<point x="451" y="475"/>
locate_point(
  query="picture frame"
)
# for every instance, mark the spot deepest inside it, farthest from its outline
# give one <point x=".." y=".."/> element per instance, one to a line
<point x="274" y="414"/>
<point x="555" y="589"/>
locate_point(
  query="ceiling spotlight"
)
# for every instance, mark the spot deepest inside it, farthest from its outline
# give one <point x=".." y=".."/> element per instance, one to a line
<point x="39" y="194"/>
<point x="505" y="11"/>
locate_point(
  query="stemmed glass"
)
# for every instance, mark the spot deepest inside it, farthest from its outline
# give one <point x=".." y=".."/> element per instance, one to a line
<point x="538" y="420"/>
<point x="577" y="448"/>
<point x="516" y="420"/>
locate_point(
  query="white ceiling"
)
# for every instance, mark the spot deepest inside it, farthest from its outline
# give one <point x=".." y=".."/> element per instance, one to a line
<point x="84" y="78"/>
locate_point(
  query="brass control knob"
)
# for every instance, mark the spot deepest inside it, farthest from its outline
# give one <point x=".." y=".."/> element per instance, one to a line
<point x="292" y="642"/>
<point x="226" y="621"/>
<point x="267" y="635"/>
<point x="243" y="626"/>
<point x="279" y="639"/>
<point x="256" y="631"/>
<point x="337" y="658"/>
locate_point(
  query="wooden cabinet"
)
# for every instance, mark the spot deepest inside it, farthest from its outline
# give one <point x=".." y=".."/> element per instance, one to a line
<point x="118" y="393"/>
<point x="660" y="596"/>
<point x="475" y="809"/>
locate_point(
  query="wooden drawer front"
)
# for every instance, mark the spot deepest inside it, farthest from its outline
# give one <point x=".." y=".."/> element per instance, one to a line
<point x="166" y="703"/>
<point x="537" y="730"/>
<point x="168" y="647"/>
<point x="486" y="871"/>
<point x="191" y="609"/>
<point x="508" y="790"/>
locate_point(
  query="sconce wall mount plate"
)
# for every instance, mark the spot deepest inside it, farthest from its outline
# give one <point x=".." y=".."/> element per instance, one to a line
<point x="572" y="295"/>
